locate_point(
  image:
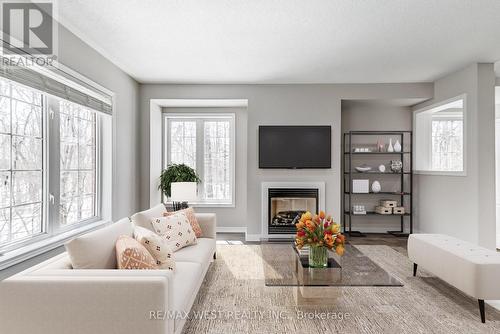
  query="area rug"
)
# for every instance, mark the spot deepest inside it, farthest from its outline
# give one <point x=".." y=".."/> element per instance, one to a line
<point x="234" y="299"/>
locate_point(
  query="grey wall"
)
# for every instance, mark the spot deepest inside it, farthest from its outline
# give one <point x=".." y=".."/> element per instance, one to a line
<point x="464" y="206"/>
<point x="276" y="104"/>
<point x="380" y="115"/>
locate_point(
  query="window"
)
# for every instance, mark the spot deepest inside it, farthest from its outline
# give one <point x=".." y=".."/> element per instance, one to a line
<point x="21" y="163"/>
<point x="77" y="163"/>
<point x="205" y="143"/>
<point x="439" y="138"/>
<point x="49" y="171"/>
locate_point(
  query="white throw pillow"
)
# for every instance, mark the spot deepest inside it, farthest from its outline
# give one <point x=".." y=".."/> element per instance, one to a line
<point x="157" y="246"/>
<point x="176" y="230"/>
<point x="96" y="249"/>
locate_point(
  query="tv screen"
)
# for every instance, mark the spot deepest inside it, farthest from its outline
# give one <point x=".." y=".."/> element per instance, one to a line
<point x="295" y="147"/>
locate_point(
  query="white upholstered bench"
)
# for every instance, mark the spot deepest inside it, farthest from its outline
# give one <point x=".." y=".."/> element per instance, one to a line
<point x="472" y="269"/>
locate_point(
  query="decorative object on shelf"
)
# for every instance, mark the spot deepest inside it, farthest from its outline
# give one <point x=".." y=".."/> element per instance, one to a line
<point x="376" y="187"/>
<point x="388" y="203"/>
<point x="390" y="148"/>
<point x="398" y="210"/>
<point x="396" y="166"/>
<point x="361" y="186"/>
<point x="362" y="150"/>
<point x="382" y="210"/>
<point x="397" y="146"/>
<point x="380" y="146"/>
<point x="363" y="168"/>
<point x="179" y="173"/>
<point x="358" y="209"/>
<point x="321" y="234"/>
<point x="381" y="168"/>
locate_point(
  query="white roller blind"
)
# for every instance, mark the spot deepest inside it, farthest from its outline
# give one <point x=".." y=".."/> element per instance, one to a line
<point x="58" y="83"/>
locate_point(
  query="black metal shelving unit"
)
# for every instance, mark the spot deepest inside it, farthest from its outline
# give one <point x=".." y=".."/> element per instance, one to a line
<point x="405" y="177"/>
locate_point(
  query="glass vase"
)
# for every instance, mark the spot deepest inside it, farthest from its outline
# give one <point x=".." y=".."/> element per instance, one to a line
<point x="318" y="257"/>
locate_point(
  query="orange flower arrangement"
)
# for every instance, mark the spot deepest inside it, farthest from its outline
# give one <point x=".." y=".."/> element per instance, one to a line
<point x="319" y="230"/>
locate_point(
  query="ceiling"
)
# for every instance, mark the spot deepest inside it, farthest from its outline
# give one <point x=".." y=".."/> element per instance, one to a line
<point x="287" y="41"/>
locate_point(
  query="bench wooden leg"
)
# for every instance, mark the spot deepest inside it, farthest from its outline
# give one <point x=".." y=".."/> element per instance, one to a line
<point x="481" y="310"/>
<point x="415" y="269"/>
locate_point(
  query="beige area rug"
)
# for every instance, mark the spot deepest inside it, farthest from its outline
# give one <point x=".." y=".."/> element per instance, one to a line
<point x="234" y="299"/>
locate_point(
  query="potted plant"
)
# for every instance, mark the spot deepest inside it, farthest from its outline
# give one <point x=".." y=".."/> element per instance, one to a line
<point x="176" y="173"/>
<point x="321" y="234"/>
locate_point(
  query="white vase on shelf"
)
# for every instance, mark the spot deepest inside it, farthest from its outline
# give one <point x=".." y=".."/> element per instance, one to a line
<point x="376" y="187"/>
<point x="390" y="148"/>
<point x="381" y="168"/>
<point x="397" y="146"/>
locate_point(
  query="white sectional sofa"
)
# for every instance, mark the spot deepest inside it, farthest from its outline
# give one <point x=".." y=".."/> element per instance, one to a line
<point x="472" y="269"/>
<point x="53" y="298"/>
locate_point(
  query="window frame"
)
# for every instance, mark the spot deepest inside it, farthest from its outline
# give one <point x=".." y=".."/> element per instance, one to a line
<point x="428" y="150"/>
<point x="50" y="224"/>
<point x="200" y="118"/>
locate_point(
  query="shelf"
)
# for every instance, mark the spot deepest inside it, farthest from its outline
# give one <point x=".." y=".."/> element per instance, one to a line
<point x="377" y="133"/>
<point x="385" y="153"/>
<point x="379" y="193"/>
<point x="378" y="173"/>
<point x="373" y="213"/>
<point x="351" y="141"/>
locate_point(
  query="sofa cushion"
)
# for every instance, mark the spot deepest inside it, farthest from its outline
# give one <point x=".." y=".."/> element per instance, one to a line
<point x="191" y="216"/>
<point x="130" y="254"/>
<point x="201" y="253"/>
<point x="144" y="218"/>
<point x="176" y="230"/>
<point x="186" y="279"/>
<point x="157" y="246"/>
<point x="96" y="249"/>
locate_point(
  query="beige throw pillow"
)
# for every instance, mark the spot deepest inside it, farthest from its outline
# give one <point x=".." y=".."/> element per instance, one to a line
<point x="96" y="249"/>
<point x="190" y="214"/>
<point x="176" y="230"/>
<point x="157" y="246"/>
<point x="130" y="254"/>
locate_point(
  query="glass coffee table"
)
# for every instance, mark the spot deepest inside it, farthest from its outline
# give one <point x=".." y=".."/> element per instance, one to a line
<point x="286" y="267"/>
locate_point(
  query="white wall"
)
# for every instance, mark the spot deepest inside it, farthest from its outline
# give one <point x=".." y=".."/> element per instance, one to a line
<point x="276" y="104"/>
<point x="464" y="206"/>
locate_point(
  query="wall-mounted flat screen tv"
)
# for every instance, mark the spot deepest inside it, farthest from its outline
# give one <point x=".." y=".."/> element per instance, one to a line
<point x="295" y="146"/>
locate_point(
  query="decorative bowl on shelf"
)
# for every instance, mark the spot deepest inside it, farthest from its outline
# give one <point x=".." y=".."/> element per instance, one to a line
<point x="363" y="168"/>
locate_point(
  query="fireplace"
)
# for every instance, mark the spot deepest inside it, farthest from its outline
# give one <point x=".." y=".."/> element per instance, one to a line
<point x="286" y="205"/>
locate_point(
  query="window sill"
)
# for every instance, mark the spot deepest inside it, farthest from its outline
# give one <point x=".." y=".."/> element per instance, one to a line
<point x="16" y="256"/>
<point x="439" y="173"/>
<point x="207" y="205"/>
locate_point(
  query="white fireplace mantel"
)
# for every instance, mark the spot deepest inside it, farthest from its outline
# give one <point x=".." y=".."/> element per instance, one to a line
<point x="272" y="185"/>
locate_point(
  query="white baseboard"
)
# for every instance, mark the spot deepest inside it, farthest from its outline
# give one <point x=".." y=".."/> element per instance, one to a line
<point x="231" y="229"/>
<point x="252" y="237"/>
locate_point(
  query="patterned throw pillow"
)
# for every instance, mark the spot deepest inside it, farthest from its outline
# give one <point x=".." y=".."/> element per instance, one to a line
<point x="192" y="220"/>
<point x="130" y="254"/>
<point x="176" y="230"/>
<point x="157" y="246"/>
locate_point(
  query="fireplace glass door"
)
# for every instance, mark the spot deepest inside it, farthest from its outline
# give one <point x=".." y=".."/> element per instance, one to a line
<point x="286" y="205"/>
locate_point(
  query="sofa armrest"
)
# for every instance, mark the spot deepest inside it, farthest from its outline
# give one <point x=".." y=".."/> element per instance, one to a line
<point x="208" y="224"/>
<point x="83" y="304"/>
